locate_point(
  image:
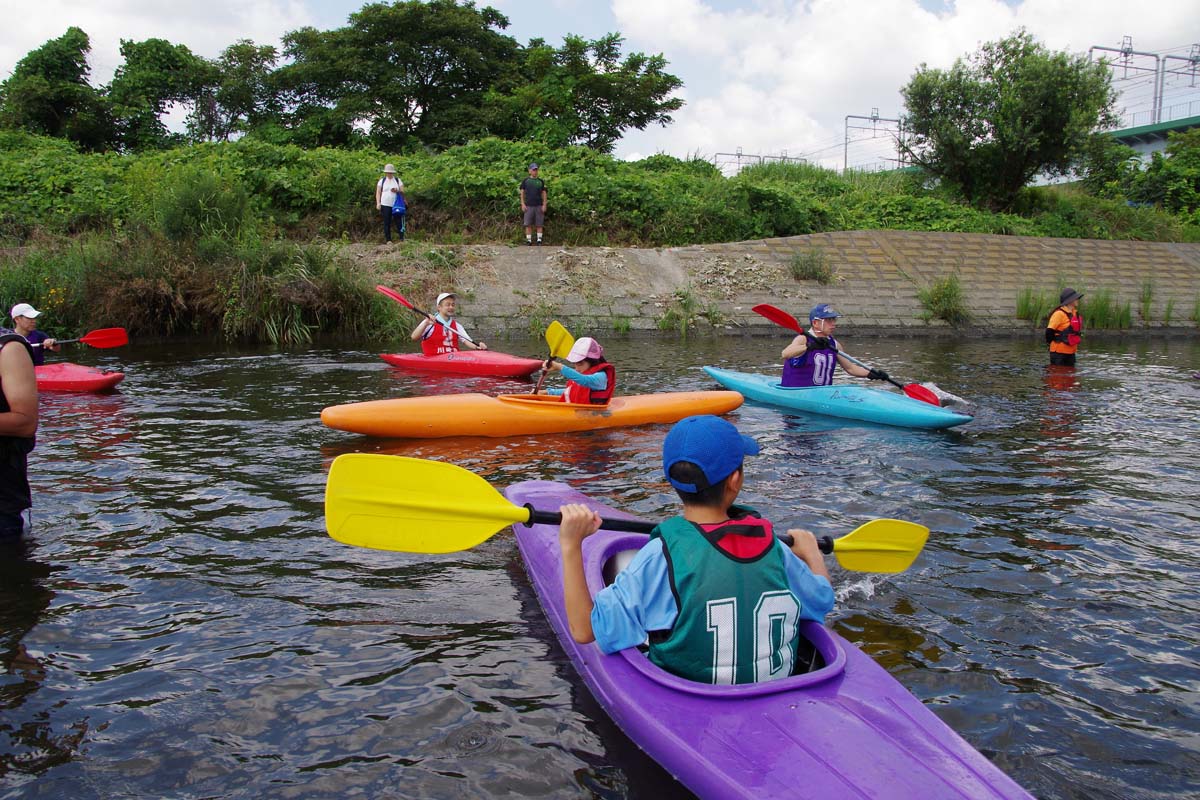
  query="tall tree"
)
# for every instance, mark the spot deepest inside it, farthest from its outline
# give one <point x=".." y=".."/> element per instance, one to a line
<point x="583" y="93"/>
<point x="411" y="73"/>
<point x="1014" y="109"/>
<point x="239" y="97"/>
<point x="48" y="93"/>
<point x="155" y="76"/>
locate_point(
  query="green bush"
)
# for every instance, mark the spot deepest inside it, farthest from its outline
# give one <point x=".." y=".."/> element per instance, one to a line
<point x="1035" y="304"/>
<point x="811" y="265"/>
<point x="1104" y="311"/>
<point x="944" y="299"/>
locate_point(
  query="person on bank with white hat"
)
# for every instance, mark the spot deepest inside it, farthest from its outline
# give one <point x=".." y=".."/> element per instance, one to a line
<point x="388" y="190"/>
<point x="441" y="332"/>
<point x="590" y="378"/>
<point x="24" y="318"/>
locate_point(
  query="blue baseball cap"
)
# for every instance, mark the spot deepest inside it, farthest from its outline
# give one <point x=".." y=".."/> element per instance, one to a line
<point x="823" y="311"/>
<point x="711" y="443"/>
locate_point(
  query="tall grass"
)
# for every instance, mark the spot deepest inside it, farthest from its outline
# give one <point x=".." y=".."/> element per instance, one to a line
<point x="1104" y="311"/>
<point x="1146" y="299"/>
<point x="1035" y="304"/>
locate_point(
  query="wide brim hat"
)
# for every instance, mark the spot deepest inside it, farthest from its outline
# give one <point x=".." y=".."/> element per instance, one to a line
<point x="1069" y="296"/>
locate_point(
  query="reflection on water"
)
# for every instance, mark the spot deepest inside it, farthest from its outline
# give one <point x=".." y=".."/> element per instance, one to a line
<point x="180" y="624"/>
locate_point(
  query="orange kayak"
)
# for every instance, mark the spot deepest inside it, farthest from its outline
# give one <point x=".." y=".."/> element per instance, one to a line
<point x="517" y="414"/>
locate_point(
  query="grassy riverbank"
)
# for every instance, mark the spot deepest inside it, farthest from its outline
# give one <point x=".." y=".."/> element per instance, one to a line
<point x="232" y="238"/>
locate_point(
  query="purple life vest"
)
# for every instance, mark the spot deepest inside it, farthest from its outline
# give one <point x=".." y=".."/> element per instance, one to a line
<point x="812" y="367"/>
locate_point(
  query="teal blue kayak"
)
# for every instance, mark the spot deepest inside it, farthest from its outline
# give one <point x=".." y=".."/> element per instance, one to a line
<point x="841" y="400"/>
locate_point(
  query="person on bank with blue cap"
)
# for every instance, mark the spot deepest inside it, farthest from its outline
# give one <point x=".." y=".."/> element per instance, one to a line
<point x="532" y="192"/>
<point x="709" y="579"/>
<point x="590" y="378"/>
<point x="812" y="357"/>
<point x="442" y="333"/>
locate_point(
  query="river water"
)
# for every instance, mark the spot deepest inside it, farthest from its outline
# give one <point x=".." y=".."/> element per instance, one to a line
<point x="181" y="626"/>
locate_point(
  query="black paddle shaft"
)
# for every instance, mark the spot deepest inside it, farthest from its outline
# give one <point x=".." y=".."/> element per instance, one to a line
<point x="539" y="517"/>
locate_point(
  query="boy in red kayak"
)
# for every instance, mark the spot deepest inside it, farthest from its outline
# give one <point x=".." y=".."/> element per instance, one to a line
<point x="590" y="378"/>
<point x="442" y="333"/>
<point x="717" y="596"/>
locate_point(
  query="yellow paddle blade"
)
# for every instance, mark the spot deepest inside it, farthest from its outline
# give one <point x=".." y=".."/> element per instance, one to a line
<point x="560" y="339"/>
<point x="413" y="505"/>
<point x="881" y="545"/>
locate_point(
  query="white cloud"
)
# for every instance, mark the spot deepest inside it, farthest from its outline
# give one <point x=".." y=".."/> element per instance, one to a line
<point x="206" y="28"/>
<point x="784" y="76"/>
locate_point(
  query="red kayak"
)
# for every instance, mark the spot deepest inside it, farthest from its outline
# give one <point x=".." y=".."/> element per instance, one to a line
<point x="63" y="376"/>
<point x="467" y="362"/>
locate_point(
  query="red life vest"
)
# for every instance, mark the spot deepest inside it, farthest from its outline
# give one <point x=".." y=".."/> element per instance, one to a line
<point x="576" y="393"/>
<point x="1072" y="334"/>
<point x="440" y="339"/>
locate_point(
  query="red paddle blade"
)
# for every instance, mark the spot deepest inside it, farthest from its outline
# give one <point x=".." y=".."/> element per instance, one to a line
<point x="106" y="337"/>
<point x="918" y="392"/>
<point x="778" y="316"/>
<point x="399" y="298"/>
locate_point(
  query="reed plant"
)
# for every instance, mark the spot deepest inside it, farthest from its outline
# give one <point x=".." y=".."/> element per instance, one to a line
<point x="1035" y="304"/>
<point x="1104" y="311"/>
<point x="1169" y="312"/>
<point x="1146" y="299"/>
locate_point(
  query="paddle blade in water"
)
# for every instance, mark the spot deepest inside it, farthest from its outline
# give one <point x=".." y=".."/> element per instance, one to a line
<point x="918" y="392"/>
<point x="559" y="339"/>
<point x="412" y="505"/>
<point x="881" y="545"/>
<point x="106" y="337"/>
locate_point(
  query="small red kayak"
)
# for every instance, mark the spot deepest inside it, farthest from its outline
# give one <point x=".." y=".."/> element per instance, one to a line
<point x="467" y="362"/>
<point x="66" y="377"/>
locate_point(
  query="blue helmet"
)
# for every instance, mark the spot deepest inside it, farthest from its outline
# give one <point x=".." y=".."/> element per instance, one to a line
<point x="822" y="311"/>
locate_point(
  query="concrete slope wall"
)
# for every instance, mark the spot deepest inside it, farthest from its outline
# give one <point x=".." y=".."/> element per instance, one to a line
<point x="877" y="277"/>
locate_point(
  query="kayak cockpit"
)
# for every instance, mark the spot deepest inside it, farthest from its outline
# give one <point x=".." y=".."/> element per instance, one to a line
<point x="822" y="659"/>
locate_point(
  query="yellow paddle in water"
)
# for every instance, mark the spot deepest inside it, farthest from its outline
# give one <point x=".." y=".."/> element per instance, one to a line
<point x="560" y="341"/>
<point x="418" y="506"/>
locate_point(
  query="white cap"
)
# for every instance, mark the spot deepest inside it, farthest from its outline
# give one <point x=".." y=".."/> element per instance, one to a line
<point x="389" y="167"/>
<point x="443" y="296"/>
<point x="23" y="310"/>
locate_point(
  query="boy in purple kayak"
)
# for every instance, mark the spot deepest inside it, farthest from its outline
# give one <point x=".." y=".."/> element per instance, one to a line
<point x="813" y="355"/>
<point x="716" y="595"/>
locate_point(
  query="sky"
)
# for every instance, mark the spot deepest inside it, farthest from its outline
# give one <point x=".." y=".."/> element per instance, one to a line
<point x="761" y="77"/>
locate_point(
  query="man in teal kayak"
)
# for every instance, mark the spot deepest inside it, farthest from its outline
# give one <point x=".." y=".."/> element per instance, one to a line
<point x="813" y="355"/>
<point x="718" y="597"/>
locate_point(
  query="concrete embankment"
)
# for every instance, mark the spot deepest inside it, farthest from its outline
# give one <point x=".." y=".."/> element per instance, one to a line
<point x="877" y="276"/>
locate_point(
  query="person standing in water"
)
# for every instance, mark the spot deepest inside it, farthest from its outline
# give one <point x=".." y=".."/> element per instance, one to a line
<point x="18" y="426"/>
<point x="1064" y="329"/>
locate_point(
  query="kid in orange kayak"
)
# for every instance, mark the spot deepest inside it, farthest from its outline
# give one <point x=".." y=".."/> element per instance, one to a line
<point x="590" y="379"/>
<point x="442" y="333"/>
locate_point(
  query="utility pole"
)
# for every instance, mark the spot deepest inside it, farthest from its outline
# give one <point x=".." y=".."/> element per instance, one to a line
<point x="874" y="119"/>
<point x="1126" y="50"/>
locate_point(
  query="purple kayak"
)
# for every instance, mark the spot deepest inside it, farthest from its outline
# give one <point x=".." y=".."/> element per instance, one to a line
<point x="847" y="729"/>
